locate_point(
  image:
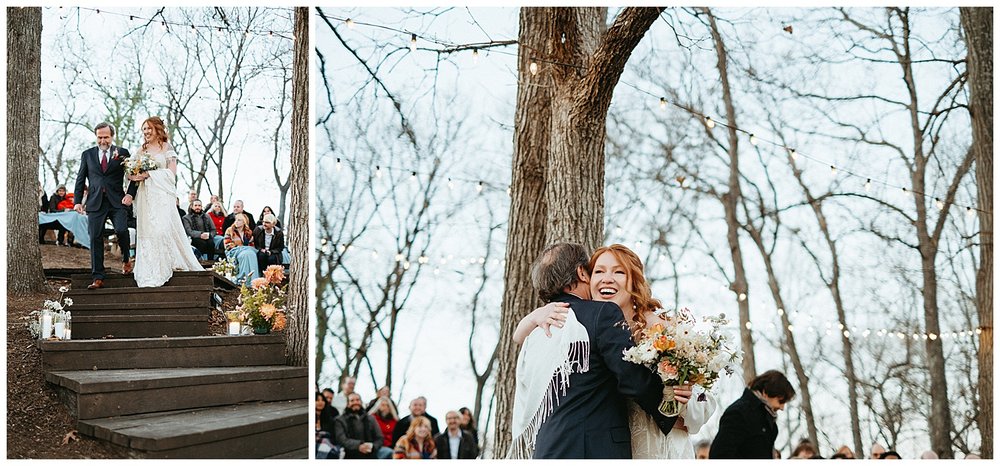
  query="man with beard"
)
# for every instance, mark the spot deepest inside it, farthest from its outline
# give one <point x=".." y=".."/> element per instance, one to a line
<point x="200" y="229"/>
<point x="358" y="433"/>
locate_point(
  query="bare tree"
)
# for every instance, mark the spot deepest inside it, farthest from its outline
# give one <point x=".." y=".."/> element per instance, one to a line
<point x="568" y="67"/>
<point x="977" y="23"/>
<point x="297" y="341"/>
<point x="24" y="84"/>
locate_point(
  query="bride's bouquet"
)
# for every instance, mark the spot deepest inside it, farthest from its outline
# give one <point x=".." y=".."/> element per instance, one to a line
<point x="141" y="163"/>
<point x="686" y="350"/>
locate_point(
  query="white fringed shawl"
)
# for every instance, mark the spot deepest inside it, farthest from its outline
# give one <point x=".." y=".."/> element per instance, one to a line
<point x="543" y="368"/>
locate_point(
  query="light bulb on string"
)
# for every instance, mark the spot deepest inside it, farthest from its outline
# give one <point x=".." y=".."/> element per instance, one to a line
<point x="753" y="140"/>
<point x="475" y="56"/>
<point x="663" y="102"/>
<point x="451" y="185"/>
<point x="742" y="297"/>
<point x="793" y="154"/>
<point x="939" y="204"/>
<point x="868" y="185"/>
<point x="349" y="22"/>
<point x="479" y="187"/>
<point x="378" y="171"/>
<point x="413" y="177"/>
<point x="339" y="165"/>
<point x="562" y="39"/>
<point x="833" y="170"/>
<point x="413" y="42"/>
<point x="709" y="122"/>
<point x="969" y="211"/>
<point x="533" y="68"/>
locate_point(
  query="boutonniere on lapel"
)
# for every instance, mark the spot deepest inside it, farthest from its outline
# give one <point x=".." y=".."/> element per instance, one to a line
<point x="114" y="154"/>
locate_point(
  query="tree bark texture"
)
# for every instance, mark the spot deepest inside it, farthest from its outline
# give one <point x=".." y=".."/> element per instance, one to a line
<point x="24" y="84"/>
<point x="297" y="341"/>
<point x="557" y="181"/>
<point x="730" y="200"/>
<point x="977" y="24"/>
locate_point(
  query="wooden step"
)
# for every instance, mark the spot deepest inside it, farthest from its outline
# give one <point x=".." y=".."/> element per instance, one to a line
<point x="119" y="392"/>
<point x="164" y="294"/>
<point x="150" y="353"/>
<point x="254" y="430"/>
<point x="173" y="308"/>
<point x="116" y="280"/>
<point x="140" y="325"/>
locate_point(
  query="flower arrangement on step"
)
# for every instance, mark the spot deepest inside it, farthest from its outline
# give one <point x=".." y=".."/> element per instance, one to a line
<point x="225" y="267"/>
<point x="53" y="320"/>
<point x="262" y="305"/>
<point x="686" y="350"/>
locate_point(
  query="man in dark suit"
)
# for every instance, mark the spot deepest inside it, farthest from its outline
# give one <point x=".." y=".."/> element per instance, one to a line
<point x="237" y="209"/>
<point x="455" y="443"/>
<point x="418" y="407"/>
<point x="199" y="227"/>
<point x="748" y="428"/>
<point x="102" y="172"/>
<point x="590" y="419"/>
<point x="269" y="242"/>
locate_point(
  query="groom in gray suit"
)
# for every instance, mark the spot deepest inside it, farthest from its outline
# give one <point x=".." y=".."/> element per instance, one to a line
<point x="102" y="172"/>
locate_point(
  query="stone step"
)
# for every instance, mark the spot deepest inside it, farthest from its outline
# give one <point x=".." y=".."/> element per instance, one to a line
<point x="151" y="353"/>
<point x="253" y="430"/>
<point x="172" y="308"/>
<point x="164" y="294"/>
<point x="140" y="325"/>
<point x="115" y="280"/>
<point x="94" y="394"/>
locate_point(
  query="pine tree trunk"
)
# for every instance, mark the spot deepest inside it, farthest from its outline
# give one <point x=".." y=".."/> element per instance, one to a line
<point x="557" y="182"/>
<point x="24" y="84"/>
<point x="730" y="200"/>
<point x="978" y="26"/>
<point x="297" y="332"/>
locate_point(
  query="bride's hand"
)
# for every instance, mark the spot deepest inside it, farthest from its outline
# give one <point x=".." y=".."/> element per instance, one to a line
<point x="682" y="393"/>
<point x="136" y="177"/>
<point x="549" y="315"/>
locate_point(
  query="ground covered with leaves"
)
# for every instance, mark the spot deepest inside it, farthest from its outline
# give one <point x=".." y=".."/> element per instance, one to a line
<point x="38" y="424"/>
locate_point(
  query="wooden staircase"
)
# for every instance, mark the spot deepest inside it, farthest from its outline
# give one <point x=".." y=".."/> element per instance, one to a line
<point x="163" y="388"/>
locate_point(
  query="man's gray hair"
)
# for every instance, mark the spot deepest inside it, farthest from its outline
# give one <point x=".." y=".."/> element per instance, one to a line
<point x="270" y="218"/>
<point x="105" y="124"/>
<point x="556" y="267"/>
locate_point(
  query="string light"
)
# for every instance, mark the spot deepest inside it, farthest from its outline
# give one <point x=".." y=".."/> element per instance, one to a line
<point x="339" y="165"/>
<point x="475" y="56"/>
<point x="167" y="24"/>
<point x="479" y="187"/>
<point x="833" y="170"/>
<point x="378" y="171"/>
<point x="969" y="211"/>
<point x="793" y="154"/>
<point x="451" y="185"/>
<point x="939" y="204"/>
<point x="868" y="185"/>
<point x="350" y="23"/>
<point x="413" y="42"/>
<point x="709" y="122"/>
<point x="663" y="102"/>
<point x="413" y="177"/>
<point x="533" y="68"/>
<point x="753" y="140"/>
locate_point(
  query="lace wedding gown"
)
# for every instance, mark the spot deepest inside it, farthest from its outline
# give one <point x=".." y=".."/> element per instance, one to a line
<point x="161" y="245"/>
<point x="648" y="442"/>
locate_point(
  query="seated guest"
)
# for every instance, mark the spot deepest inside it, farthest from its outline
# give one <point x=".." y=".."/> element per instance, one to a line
<point x="218" y="216"/>
<point x="384" y="412"/>
<point x="192" y="195"/>
<point x="267" y="210"/>
<point x="199" y="227"/>
<point x="417" y="443"/>
<point x="455" y="443"/>
<point x="418" y="407"/>
<point x="51" y="204"/>
<point x="237" y="210"/>
<point x="468" y="423"/>
<point x="239" y="247"/>
<point x="358" y="433"/>
<point x="269" y="242"/>
<point x="325" y="414"/>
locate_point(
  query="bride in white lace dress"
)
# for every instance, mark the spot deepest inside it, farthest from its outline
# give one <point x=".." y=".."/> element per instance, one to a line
<point x="161" y="244"/>
<point x="617" y="275"/>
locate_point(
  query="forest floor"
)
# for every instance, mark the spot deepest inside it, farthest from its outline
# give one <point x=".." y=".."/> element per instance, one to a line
<point x="38" y="424"/>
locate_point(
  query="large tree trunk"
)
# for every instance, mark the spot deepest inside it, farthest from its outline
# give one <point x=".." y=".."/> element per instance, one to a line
<point x="557" y="187"/>
<point x="729" y="201"/>
<point x="24" y="84"/>
<point x="978" y="26"/>
<point x="297" y="340"/>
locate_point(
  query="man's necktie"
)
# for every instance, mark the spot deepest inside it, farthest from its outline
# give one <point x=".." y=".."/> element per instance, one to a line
<point x="104" y="160"/>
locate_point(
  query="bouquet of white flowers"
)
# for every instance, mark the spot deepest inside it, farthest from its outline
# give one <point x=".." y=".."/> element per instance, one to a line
<point x="685" y="350"/>
<point x="141" y="163"/>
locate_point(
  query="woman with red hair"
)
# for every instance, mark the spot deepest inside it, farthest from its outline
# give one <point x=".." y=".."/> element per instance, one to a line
<point x="161" y="243"/>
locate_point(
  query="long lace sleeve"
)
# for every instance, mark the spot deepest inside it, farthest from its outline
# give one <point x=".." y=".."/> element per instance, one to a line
<point x="697" y="413"/>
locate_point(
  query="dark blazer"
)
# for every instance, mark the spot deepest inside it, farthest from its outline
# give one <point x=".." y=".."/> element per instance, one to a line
<point x="350" y="430"/>
<point x="91" y="176"/>
<point x="746" y="431"/>
<point x="404" y="424"/>
<point x="196" y="224"/>
<point x="231" y="218"/>
<point x="277" y="242"/>
<point x="467" y="448"/>
<point x="591" y="419"/>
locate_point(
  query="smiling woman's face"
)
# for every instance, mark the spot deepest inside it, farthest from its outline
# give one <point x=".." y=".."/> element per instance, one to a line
<point x="609" y="281"/>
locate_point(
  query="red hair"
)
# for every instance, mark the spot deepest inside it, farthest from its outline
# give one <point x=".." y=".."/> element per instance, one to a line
<point x="159" y="131"/>
<point x="635" y="282"/>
